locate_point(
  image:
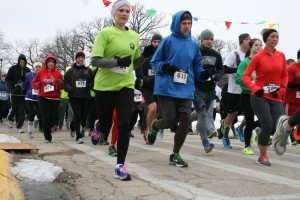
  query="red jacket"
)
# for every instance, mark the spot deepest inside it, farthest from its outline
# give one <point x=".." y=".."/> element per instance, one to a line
<point x="270" y="69"/>
<point x="294" y="76"/>
<point x="48" y="78"/>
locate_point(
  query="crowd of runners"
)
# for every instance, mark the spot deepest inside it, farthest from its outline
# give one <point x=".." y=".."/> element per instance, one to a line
<point x="173" y="82"/>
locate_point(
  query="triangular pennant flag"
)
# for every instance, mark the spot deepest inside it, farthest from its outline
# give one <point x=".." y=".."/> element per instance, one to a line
<point x="244" y="22"/>
<point x="151" y="13"/>
<point x="228" y="24"/>
<point x="106" y="3"/>
<point x="272" y="25"/>
<point x="262" y="22"/>
<point x="132" y="8"/>
<point x="195" y="18"/>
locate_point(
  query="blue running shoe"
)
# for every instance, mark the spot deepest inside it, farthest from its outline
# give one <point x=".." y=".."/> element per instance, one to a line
<point x="121" y="173"/>
<point x="240" y="134"/>
<point x="226" y="143"/>
<point x="208" y="146"/>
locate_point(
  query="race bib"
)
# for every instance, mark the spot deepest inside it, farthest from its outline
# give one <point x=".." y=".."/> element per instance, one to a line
<point x="81" y="83"/>
<point x="298" y="94"/>
<point x="34" y="92"/>
<point x="180" y="77"/>
<point x="137" y="98"/>
<point x="151" y="72"/>
<point x="119" y="70"/>
<point x="3" y="94"/>
<point x="48" y="88"/>
<point x="268" y="88"/>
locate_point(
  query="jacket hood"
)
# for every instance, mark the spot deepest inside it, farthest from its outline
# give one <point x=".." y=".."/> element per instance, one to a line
<point x="175" y="26"/>
<point x="45" y="62"/>
<point x="22" y="57"/>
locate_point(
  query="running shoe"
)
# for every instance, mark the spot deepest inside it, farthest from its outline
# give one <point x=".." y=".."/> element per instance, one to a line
<point x="9" y="124"/>
<point x="95" y="137"/>
<point x="208" y="146"/>
<point x="122" y="173"/>
<point x="47" y="141"/>
<point x="30" y="135"/>
<point x="19" y="130"/>
<point x="226" y="143"/>
<point x="151" y="136"/>
<point x="112" y="151"/>
<point x="264" y="161"/>
<point x="175" y="159"/>
<point x="72" y="133"/>
<point x="79" y="141"/>
<point x="131" y="135"/>
<point x="280" y="138"/>
<point x="248" y="151"/>
<point x="240" y="134"/>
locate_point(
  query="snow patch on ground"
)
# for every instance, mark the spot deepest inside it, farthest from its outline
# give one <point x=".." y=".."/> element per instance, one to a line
<point x="36" y="170"/>
<point x="8" y="139"/>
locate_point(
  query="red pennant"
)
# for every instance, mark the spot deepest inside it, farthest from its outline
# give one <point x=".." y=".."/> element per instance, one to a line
<point x="228" y="24"/>
<point x="132" y="8"/>
<point x="106" y="3"/>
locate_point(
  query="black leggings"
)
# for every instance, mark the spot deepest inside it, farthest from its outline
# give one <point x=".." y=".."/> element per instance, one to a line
<point x="49" y="110"/>
<point x="79" y="107"/>
<point x="294" y="120"/>
<point x="122" y="100"/>
<point x="17" y="109"/>
<point x="267" y="112"/>
<point x="33" y="109"/>
<point x="249" y="117"/>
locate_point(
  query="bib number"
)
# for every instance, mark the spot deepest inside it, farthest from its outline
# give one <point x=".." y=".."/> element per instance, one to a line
<point x="268" y="88"/>
<point x="3" y="94"/>
<point x="137" y="98"/>
<point x="119" y="70"/>
<point x="48" y="88"/>
<point x="81" y="83"/>
<point x="298" y="94"/>
<point x="180" y="77"/>
<point x="34" y="92"/>
<point x="151" y="72"/>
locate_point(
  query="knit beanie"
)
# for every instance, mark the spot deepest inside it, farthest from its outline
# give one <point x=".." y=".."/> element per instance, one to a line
<point x="267" y="33"/>
<point x="206" y="34"/>
<point x="37" y="64"/>
<point x="59" y="66"/>
<point x="186" y="16"/>
<point x="156" y="36"/>
<point x="78" y="54"/>
<point x="242" y="37"/>
<point x="117" y="5"/>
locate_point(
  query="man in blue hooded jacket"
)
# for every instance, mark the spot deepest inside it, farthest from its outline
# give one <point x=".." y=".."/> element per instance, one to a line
<point x="177" y="63"/>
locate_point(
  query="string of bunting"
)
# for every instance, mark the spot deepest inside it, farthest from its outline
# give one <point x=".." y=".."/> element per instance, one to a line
<point x="151" y="13"/>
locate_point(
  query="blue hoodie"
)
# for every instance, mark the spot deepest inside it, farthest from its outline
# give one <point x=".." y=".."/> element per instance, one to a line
<point x="4" y="95"/>
<point x="181" y="52"/>
<point x="27" y="85"/>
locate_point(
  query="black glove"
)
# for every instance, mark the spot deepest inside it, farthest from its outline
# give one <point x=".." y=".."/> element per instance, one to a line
<point x="148" y="51"/>
<point x="124" y="62"/>
<point x="216" y="77"/>
<point x="23" y="78"/>
<point x="259" y="93"/>
<point x="138" y="84"/>
<point x="38" y="84"/>
<point x="167" y="69"/>
<point x="59" y="81"/>
<point x="204" y="75"/>
<point x="274" y="94"/>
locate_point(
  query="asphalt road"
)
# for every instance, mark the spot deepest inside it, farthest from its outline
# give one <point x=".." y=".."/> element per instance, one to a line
<point x="220" y="174"/>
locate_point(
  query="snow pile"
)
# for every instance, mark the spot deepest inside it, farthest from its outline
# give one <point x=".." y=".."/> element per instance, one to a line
<point x="8" y="139"/>
<point x="36" y="170"/>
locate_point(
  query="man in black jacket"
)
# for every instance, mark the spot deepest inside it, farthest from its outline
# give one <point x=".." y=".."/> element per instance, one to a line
<point x="15" y="75"/>
<point x="147" y="74"/>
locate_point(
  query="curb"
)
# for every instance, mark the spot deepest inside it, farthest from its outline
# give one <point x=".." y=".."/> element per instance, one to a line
<point x="9" y="185"/>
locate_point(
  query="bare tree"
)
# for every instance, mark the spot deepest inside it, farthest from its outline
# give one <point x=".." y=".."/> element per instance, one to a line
<point x="5" y="53"/>
<point x="145" y="25"/>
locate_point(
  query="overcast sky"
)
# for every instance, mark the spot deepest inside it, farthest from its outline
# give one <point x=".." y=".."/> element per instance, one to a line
<point x="41" y="19"/>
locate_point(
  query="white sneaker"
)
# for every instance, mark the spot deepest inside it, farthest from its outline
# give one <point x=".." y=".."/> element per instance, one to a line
<point x="19" y="130"/>
<point x="9" y="124"/>
<point x="79" y="141"/>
